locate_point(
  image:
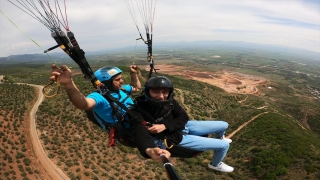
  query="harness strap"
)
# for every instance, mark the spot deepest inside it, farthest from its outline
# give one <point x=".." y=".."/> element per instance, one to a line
<point x="119" y="116"/>
<point x="112" y="137"/>
<point x="124" y="99"/>
<point x="166" y="144"/>
<point x="114" y="127"/>
<point x="109" y="127"/>
<point x="144" y="113"/>
<point x="171" y="107"/>
<point x="115" y="111"/>
<point x="111" y="99"/>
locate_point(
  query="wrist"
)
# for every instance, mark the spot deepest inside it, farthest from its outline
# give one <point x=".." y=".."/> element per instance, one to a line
<point x="69" y="84"/>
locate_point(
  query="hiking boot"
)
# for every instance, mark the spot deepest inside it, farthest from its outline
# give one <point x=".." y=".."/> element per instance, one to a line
<point x="226" y="139"/>
<point x="221" y="167"/>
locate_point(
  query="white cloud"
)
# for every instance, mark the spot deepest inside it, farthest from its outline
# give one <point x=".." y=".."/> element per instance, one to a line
<point x="99" y="24"/>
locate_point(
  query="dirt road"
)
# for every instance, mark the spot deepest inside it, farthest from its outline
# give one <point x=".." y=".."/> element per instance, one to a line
<point x="51" y="169"/>
<point x="244" y="125"/>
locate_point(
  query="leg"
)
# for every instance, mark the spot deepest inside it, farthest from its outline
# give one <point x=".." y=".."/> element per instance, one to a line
<point x="201" y="128"/>
<point x="220" y="148"/>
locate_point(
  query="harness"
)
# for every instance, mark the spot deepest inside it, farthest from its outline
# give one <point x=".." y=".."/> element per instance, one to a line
<point x="155" y="121"/>
<point x="116" y="130"/>
<point x="174" y="149"/>
<point x="158" y="120"/>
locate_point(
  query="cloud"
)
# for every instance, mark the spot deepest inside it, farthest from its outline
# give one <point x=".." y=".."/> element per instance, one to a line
<point x="100" y="24"/>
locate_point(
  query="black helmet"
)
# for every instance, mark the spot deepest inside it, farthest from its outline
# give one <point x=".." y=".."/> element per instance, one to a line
<point x="105" y="75"/>
<point x="158" y="82"/>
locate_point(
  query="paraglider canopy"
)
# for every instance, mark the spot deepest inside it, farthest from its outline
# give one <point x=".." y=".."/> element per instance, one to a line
<point x="146" y="10"/>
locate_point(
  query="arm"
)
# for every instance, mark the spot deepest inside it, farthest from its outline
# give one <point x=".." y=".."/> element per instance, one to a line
<point x="64" y="76"/>
<point x="157" y="128"/>
<point x="155" y="153"/>
<point x="142" y="137"/>
<point x="135" y="82"/>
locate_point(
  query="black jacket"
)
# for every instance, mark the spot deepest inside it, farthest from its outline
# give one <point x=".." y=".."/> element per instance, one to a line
<point x="174" y="121"/>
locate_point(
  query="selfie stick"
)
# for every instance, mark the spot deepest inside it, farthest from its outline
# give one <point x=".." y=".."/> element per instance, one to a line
<point x="171" y="172"/>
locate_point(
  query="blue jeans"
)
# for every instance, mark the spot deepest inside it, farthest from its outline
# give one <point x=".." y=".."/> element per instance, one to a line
<point x="193" y="138"/>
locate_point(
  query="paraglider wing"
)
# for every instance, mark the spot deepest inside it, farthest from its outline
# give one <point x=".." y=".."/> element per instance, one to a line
<point x="146" y="10"/>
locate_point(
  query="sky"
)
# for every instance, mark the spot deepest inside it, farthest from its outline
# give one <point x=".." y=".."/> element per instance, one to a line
<point x="105" y="24"/>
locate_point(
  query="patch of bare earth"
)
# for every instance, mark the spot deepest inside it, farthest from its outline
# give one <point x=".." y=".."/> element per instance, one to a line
<point x="231" y="82"/>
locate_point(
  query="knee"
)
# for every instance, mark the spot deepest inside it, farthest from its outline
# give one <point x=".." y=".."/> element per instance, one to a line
<point x="225" y="124"/>
<point x="225" y="146"/>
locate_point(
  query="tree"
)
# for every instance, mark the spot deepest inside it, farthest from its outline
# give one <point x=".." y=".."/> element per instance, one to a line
<point x="26" y="161"/>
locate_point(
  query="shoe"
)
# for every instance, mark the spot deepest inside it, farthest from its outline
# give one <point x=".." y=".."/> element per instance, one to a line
<point x="221" y="167"/>
<point x="226" y="139"/>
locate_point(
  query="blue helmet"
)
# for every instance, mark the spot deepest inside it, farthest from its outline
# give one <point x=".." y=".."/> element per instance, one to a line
<point x="158" y="82"/>
<point x="105" y="75"/>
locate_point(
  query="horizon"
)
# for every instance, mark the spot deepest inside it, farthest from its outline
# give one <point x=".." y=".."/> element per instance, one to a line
<point x="217" y="45"/>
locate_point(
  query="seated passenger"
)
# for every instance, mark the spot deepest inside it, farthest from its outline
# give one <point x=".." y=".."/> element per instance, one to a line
<point x="165" y="120"/>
